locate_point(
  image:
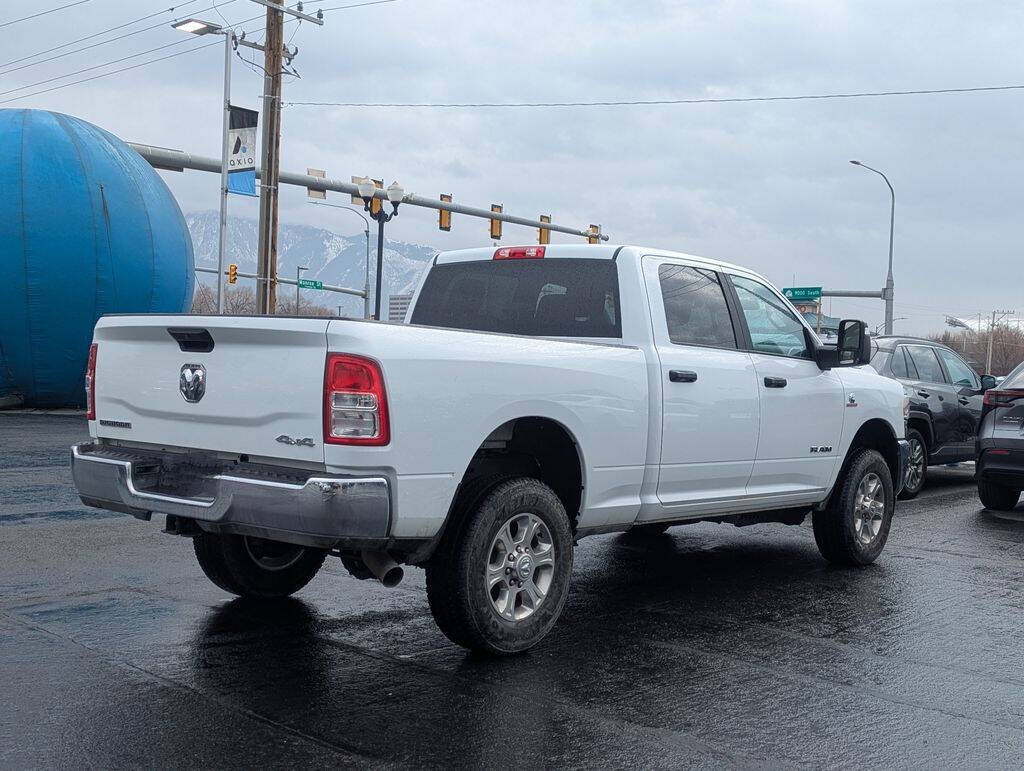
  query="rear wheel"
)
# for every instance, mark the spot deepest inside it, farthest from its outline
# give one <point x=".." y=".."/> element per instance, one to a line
<point x="997" y="497"/>
<point x="256" y="567"/>
<point x="853" y="528"/>
<point x="499" y="582"/>
<point x="917" y="464"/>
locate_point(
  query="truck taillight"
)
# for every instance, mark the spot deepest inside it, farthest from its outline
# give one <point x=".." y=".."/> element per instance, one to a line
<point x="355" y="405"/>
<point x="994" y="398"/>
<point x="90" y="384"/>
<point x="519" y="253"/>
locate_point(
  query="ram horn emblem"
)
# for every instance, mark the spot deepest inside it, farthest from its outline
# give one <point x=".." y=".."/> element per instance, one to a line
<point x="192" y="382"/>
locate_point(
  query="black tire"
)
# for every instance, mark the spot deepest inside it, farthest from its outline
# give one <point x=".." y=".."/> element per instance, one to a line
<point x="255" y="567"/>
<point x="837" y="532"/>
<point x="457" y="573"/>
<point x="997" y="497"/>
<point x="916" y="439"/>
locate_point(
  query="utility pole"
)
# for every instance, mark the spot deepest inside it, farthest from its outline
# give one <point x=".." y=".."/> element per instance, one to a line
<point x="991" y="334"/>
<point x="270" y="165"/>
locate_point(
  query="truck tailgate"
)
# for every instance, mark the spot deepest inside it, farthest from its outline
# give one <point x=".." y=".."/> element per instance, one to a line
<point x="262" y="383"/>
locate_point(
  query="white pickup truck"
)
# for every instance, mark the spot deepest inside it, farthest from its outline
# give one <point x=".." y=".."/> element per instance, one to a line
<point x="538" y="395"/>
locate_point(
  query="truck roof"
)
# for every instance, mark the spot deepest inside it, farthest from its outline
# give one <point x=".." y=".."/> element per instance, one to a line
<point x="583" y="251"/>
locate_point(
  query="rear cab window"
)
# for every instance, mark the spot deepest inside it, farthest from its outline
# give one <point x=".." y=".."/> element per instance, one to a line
<point x="539" y="297"/>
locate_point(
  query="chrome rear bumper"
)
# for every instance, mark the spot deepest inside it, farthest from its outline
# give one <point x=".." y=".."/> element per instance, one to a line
<point x="288" y="504"/>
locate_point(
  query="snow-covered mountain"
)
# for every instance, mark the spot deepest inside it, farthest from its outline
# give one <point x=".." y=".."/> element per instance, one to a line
<point x="331" y="258"/>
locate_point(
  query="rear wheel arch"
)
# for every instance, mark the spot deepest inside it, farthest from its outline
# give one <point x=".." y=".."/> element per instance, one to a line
<point x="531" y="446"/>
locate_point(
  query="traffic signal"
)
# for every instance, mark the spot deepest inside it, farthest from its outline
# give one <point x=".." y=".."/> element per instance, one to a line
<point x="543" y="234"/>
<point x="496" y="224"/>
<point x="444" y="217"/>
<point x="376" y="203"/>
<point x="595" y="235"/>
<point x="232" y="273"/>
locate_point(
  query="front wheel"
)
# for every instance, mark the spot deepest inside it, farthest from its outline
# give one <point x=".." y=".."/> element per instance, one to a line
<point x="256" y="567"/>
<point x="997" y="497"/>
<point x="499" y="582"/>
<point x="853" y="528"/>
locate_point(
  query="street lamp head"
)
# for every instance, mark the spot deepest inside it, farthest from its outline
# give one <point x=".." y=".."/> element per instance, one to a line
<point x="196" y="27"/>
<point x="856" y="163"/>
<point x="395" y="194"/>
<point x="366" y="188"/>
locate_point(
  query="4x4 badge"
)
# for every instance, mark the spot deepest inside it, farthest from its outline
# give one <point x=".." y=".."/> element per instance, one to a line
<point x="192" y="382"/>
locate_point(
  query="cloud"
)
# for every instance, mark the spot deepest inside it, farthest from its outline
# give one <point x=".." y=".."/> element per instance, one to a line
<point x="767" y="185"/>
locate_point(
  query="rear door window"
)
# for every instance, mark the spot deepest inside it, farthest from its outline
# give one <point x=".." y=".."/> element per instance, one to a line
<point x="541" y="297"/>
<point x="695" y="309"/>
<point x="899" y="364"/>
<point x="959" y="372"/>
<point x="927" y="365"/>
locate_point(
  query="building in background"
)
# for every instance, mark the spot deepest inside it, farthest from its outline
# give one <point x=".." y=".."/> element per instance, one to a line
<point x="398" y="304"/>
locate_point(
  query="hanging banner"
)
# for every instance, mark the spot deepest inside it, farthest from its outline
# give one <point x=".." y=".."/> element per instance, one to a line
<point x="242" y="151"/>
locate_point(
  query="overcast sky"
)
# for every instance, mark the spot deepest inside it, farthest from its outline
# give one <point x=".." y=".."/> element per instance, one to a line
<point x="767" y="185"/>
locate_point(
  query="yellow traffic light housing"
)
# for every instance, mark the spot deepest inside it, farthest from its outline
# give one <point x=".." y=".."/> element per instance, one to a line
<point x="496" y="224"/>
<point x="232" y="273"/>
<point x="444" y="217"/>
<point x="595" y="235"/>
<point x="543" y="234"/>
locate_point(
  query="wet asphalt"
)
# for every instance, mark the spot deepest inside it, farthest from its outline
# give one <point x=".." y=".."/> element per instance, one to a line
<point x="709" y="646"/>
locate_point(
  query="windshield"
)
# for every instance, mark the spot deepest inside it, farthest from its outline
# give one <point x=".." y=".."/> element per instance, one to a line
<point x="544" y="298"/>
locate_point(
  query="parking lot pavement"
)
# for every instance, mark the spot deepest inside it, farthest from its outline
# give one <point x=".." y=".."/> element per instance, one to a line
<point x="708" y="646"/>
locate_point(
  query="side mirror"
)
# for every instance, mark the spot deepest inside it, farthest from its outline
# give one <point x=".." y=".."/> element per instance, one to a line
<point x="987" y="382"/>
<point x="854" y="346"/>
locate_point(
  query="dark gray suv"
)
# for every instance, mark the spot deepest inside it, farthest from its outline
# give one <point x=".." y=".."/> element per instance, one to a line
<point x="946" y="399"/>
<point x="1000" y="447"/>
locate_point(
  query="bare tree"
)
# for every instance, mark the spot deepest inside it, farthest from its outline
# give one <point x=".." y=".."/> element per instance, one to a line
<point x="241" y="301"/>
<point x="1007" y="347"/>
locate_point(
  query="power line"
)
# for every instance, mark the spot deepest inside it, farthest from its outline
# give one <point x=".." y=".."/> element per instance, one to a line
<point x="98" y="34"/>
<point x="357" y="5"/>
<point x="44" y="13"/>
<point x="112" y="72"/>
<point x="650" y="102"/>
<point x="96" y="66"/>
<point x="100" y="43"/>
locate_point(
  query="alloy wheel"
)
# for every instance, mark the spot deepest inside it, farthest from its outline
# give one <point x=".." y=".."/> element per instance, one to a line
<point x="869" y="508"/>
<point x="915" y="465"/>
<point x="272" y="555"/>
<point x="520" y="566"/>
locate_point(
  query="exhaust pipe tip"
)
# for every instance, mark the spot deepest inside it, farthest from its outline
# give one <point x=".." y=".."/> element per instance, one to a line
<point x="384" y="568"/>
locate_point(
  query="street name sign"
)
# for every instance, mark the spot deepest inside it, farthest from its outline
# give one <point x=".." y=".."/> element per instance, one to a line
<point x="306" y="283"/>
<point x="802" y="292"/>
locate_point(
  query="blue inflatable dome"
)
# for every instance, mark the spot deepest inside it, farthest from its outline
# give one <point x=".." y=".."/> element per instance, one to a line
<point x="87" y="227"/>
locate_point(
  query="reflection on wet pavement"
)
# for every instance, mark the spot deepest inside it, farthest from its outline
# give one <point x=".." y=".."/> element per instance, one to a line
<point x="709" y="645"/>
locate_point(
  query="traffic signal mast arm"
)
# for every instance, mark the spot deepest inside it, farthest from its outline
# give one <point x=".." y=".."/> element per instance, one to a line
<point x="178" y="160"/>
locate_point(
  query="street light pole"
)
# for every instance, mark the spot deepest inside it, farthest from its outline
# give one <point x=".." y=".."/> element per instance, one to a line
<point x="198" y="27"/>
<point x="892" y="225"/>
<point x="395" y="194"/>
<point x="222" y="237"/>
<point x="366" y="287"/>
<point x="298" y="274"/>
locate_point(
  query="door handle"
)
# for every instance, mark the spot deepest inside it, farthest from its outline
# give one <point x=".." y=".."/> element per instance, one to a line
<point x="775" y="382"/>
<point x="964" y="401"/>
<point x="682" y="376"/>
<point x="924" y="394"/>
